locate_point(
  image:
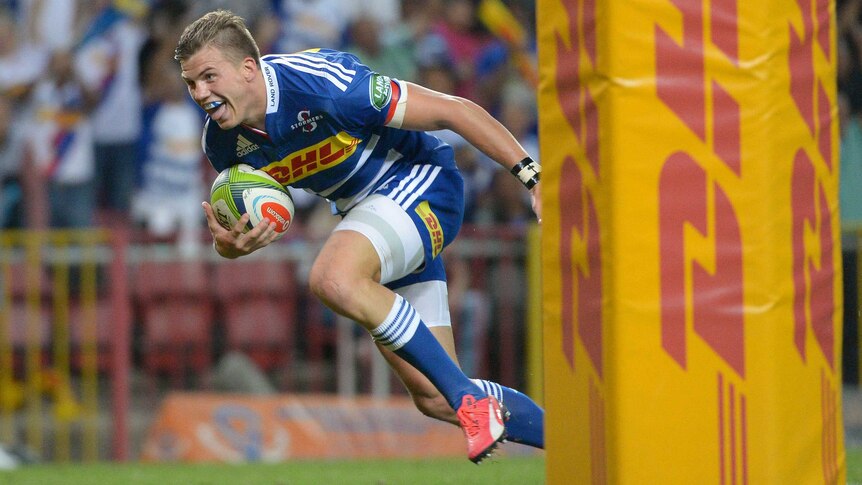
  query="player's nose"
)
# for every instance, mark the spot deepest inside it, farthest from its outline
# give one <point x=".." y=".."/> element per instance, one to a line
<point x="200" y="93"/>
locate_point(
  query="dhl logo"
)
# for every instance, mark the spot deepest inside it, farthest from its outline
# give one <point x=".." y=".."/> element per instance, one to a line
<point x="433" y="226"/>
<point x="310" y="160"/>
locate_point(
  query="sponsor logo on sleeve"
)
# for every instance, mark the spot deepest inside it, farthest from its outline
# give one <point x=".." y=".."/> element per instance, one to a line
<point x="379" y="91"/>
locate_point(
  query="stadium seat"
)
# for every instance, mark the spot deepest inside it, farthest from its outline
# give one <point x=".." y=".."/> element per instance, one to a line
<point x="176" y="314"/>
<point x="256" y="301"/>
<point x="17" y="323"/>
<point x="321" y="339"/>
<point x="79" y="317"/>
<point x="20" y="284"/>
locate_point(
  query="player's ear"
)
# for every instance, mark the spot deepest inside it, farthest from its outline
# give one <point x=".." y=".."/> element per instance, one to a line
<point x="249" y="68"/>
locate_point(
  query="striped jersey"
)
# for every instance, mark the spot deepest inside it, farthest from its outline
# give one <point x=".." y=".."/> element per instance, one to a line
<point x="330" y="128"/>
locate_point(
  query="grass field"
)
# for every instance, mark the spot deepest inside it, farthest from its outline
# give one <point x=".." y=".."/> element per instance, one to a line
<point x="501" y="471"/>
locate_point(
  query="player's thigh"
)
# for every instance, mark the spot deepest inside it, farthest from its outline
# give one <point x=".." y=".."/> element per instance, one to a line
<point x="389" y="232"/>
<point x="347" y="254"/>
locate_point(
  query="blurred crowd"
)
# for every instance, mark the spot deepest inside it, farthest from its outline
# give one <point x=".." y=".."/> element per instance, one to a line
<point x="849" y="73"/>
<point x="849" y="14"/>
<point x="97" y="129"/>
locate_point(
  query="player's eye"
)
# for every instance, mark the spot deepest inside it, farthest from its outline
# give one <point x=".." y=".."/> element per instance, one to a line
<point x="209" y="76"/>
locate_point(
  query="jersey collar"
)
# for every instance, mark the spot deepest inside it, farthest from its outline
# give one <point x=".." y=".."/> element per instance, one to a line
<point x="270" y="82"/>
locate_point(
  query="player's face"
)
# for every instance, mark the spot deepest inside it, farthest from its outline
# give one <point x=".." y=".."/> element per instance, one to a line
<point x="220" y="85"/>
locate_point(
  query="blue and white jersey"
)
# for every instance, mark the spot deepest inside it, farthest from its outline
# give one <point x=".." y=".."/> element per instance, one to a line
<point x="329" y="129"/>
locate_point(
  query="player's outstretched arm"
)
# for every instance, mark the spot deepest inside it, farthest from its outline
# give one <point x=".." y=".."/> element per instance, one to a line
<point x="233" y="243"/>
<point x="429" y="110"/>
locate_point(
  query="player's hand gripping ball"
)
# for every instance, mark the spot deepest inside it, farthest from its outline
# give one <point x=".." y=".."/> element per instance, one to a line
<point x="242" y="188"/>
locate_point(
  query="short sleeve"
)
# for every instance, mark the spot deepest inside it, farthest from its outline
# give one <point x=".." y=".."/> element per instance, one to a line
<point x="370" y="100"/>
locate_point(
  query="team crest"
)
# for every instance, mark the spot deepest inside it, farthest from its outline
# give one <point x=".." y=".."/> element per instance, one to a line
<point x="306" y="121"/>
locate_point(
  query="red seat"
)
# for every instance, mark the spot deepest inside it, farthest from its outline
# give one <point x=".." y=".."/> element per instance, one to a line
<point x="256" y="299"/>
<point x="21" y="321"/>
<point x="176" y="313"/>
<point x="82" y="334"/>
<point x="321" y="339"/>
<point x="25" y="330"/>
<point x="26" y="281"/>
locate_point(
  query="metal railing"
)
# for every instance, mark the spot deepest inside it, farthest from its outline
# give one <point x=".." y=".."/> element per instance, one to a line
<point x="69" y="302"/>
<point x="60" y="329"/>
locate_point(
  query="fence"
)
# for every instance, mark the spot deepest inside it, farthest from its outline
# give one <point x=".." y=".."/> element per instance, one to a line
<point x="64" y="322"/>
<point x="81" y="311"/>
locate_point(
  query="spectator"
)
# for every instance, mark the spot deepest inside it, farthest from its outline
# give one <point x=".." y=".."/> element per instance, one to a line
<point x="471" y="314"/>
<point x="21" y="62"/>
<point x="850" y="52"/>
<point x="502" y="204"/>
<point x="11" y="153"/>
<point x="435" y="73"/>
<point x="61" y="143"/>
<point x="260" y="16"/>
<point x="418" y="18"/>
<point x="167" y="204"/>
<point x="464" y="40"/>
<point x="850" y="201"/>
<point x="387" y="13"/>
<point x="308" y="24"/>
<point x="163" y="25"/>
<point x="518" y="113"/>
<point x="850" y="184"/>
<point x="851" y="164"/>
<point x="493" y="72"/>
<point x="391" y="56"/>
<point x="50" y="23"/>
<point x="108" y="63"/>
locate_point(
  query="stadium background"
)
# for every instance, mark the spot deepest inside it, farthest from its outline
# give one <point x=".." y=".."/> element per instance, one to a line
<point x="116" y="317"/>
<point x="65" y="291"/>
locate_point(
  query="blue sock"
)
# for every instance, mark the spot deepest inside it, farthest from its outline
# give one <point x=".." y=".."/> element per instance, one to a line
<point x="404" y="333"/>
<point x="526" y="424"/>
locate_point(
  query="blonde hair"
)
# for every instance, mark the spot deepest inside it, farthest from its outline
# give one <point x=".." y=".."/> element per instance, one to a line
<point x="221" y="29"/>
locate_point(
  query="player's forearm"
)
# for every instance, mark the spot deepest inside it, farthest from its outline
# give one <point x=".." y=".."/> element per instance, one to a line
<point x="487" y="134"/>
<point x="493" y="139"/>
<point x="429" y="110"/>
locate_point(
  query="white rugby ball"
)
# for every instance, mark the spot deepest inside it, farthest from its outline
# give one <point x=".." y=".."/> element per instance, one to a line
<point x="241" y="188"/>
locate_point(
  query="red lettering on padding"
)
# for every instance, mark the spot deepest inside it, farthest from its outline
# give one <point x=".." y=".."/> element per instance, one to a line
<point x="813" y="274"/>
<point x="717" y="296"/>
<point x="680" y="78"/>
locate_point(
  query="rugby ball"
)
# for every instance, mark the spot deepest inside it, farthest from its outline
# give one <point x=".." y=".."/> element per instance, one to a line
<point x="241" y="188"/>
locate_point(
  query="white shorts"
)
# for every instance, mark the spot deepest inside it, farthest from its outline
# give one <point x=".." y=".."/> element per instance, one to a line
<point x="399" y="246"/>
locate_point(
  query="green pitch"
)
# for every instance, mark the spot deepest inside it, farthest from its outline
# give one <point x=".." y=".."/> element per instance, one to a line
<point x="854" y="466"/>
<point x="522" y="471"/>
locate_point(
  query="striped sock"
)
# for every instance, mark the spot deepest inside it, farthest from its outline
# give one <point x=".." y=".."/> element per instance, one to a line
<point x="404" y="333"/>
<point x="526" y="424"/>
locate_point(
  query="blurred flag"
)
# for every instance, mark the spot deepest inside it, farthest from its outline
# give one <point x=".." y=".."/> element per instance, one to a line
<point x="500" y="21"/>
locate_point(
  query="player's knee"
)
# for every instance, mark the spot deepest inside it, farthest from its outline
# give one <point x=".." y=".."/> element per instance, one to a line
<point x="327" y="285"/>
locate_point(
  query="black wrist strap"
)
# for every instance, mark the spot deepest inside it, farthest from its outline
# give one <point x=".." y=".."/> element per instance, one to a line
<point x="528" y="171"/>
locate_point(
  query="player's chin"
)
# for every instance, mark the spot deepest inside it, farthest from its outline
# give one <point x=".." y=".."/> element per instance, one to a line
<point x="226" y="123"/>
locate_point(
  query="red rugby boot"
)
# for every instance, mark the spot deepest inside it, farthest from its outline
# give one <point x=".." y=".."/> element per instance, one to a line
<point x="482" y="422"/>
